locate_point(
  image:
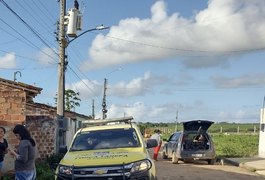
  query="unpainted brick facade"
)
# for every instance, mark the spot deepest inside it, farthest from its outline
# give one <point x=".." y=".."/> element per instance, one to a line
<point x="17" y="107"/>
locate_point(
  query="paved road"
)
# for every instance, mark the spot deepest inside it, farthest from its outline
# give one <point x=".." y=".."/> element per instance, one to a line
<point x="202" y="171"/>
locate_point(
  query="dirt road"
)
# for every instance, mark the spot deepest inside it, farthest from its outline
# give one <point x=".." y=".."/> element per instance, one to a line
<point x="202" y="171"/>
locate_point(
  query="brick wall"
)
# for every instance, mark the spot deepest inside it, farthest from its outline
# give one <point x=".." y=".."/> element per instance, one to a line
<point x="43" y="130"/>
<point x="12" y="108"/>
<point x="17" y="107"/>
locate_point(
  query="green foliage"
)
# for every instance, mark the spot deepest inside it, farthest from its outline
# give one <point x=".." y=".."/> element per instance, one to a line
<point x="236" y="145"/>
<point x="234" y="127"/>
<point x="53" y="160"/>
<point x="44" y="172"/>
<point x="44" y="169"/>
<point x="71" y="99"/>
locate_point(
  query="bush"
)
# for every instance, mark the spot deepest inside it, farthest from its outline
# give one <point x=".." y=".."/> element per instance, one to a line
<point x="44" y="172"/>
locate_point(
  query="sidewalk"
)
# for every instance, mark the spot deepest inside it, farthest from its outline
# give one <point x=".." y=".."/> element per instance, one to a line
<point x="255" y="164"/>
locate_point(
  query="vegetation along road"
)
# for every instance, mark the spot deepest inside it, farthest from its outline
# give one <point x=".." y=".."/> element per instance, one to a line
<point x="202" y="171"/>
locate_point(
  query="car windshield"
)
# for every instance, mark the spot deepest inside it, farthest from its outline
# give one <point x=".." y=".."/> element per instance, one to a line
<point x="105" y="139"/>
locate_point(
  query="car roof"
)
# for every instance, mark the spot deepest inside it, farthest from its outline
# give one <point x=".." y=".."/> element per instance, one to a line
<point x="197" y="125"/>
<point x="109" y="126"/>
<point x="105" y="124"/>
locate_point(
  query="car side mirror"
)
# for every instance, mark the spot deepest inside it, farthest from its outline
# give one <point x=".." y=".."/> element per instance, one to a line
<point x="150" y="143"/>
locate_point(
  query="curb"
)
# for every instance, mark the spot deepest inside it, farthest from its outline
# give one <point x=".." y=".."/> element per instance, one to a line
<point x="243" y="165"/>
<point x="261" y="172"/>
<point x="228" y="161"/>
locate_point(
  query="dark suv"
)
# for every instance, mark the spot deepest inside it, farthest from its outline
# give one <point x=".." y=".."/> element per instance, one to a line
<point x="193" y="143"/>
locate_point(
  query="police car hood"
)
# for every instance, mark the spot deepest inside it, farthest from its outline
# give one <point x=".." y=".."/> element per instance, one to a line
<point x="103" y="157"/>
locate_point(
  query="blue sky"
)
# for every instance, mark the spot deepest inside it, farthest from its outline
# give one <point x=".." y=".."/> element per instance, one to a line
<point x="202" y="59"/>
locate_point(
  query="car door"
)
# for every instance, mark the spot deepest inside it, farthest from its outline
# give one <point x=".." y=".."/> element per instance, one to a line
<point x="172" y="143"/>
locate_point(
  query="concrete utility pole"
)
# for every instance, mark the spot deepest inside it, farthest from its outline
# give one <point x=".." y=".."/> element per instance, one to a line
<point x="60" y="140"/>
<point x="104" y="104"/>
<point x="93" y="109"/>
<point x="61" y="66"/>
<point x="176" y="128"/>
<point x="73" y="22"/>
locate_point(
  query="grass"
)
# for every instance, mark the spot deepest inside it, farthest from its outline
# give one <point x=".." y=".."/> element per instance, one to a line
<point x="236" y="145"/>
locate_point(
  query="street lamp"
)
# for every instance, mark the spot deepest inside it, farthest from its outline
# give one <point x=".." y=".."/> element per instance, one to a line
<point x="61" y="86"/>
<point x="98" y="28"/>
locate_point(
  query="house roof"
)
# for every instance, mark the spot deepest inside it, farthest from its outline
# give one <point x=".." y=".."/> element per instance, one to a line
<point x="32" y="90"/>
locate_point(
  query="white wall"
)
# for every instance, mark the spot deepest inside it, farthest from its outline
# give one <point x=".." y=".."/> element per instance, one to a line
<point x="73" y="126"/>
<point x="262" y="134"/>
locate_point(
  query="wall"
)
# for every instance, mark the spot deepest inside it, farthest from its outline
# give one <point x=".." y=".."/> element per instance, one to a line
<point x="262" y="134"/>
<point x="12" y="106"/>
<point x="17" y="107"/>
<point x="43" y="130"/>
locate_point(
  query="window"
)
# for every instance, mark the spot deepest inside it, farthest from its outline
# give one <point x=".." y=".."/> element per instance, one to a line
<point x="175" y="137"/>
<point x="106" y="139"/>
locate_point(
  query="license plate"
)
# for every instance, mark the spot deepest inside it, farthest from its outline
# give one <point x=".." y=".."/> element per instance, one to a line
<point x="196" y="155"/>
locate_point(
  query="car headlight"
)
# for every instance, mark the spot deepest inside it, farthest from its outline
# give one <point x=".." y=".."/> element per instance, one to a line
<point x="67" y="170"/>
<point x="141" y="166"/>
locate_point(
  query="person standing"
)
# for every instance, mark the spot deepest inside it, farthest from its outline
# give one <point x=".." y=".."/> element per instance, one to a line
<point x="158" y="138"/>
<point x="3" y="148"/>
<point x="25" y="154"/>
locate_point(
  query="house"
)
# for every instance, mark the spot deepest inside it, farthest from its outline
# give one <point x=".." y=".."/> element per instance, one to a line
<point x="18" y="107"/>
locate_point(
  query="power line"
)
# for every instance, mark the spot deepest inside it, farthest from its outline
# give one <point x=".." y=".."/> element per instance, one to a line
<point x="48" y="14"/>
<point x="27" y="41"/>
<point x="27" y="25"/>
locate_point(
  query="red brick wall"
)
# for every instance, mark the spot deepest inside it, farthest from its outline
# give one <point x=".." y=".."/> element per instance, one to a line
<point x="15" y="108"/>
<point x="12" y="108"/>
<point x="43" y="130"/>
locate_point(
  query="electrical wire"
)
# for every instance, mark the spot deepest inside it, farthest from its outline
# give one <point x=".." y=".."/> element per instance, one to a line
<point x="28" y="26"/>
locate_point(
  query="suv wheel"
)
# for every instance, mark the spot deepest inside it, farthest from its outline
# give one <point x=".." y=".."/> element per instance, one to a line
<point x="174" y="158"/>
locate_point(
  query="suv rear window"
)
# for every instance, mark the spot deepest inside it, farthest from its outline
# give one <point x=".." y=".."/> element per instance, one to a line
<point x="105" y="139"/>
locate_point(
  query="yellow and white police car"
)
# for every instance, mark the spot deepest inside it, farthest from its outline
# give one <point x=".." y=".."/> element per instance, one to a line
<point x="109" y="149"/>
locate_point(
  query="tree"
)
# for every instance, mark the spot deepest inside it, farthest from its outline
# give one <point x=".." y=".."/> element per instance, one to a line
<point x="71" y="99"/>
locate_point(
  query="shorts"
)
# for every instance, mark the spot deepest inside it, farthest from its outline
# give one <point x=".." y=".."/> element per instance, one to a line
<point x="25" y="175"/>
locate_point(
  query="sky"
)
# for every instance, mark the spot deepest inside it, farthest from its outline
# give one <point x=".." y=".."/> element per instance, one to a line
<point x="164" y="60"/>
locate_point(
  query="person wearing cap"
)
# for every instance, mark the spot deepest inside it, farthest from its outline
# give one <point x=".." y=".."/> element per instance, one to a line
<point x="158" y="138"/>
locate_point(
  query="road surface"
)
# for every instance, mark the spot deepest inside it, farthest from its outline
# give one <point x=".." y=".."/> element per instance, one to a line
<point x="200" y="170"/>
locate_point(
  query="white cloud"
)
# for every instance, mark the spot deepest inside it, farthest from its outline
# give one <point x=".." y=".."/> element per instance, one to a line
<point x="136" y="87"/>
<point x="47" y="57"/>
<point x="8" y="61"/>
<point x="140" y="111"/>
<point x="249" y="80"/>
<point x="227" y="25"/>
<point x="86" y="88"/>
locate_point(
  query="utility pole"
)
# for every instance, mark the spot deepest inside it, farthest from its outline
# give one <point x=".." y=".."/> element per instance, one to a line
<point x="61" y="66"/>
<point x="73" y="22"/>
<point x="177" y="121"/>
<point x="104" y="105"/>
<point x="61" y="77"/>
<point x="93" y="109"/>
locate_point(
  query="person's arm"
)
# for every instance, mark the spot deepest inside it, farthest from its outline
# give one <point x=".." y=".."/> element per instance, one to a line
<point x="23" y="152"/>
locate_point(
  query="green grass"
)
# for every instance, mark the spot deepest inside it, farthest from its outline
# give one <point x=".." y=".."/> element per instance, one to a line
<point x="236" y="145"/>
